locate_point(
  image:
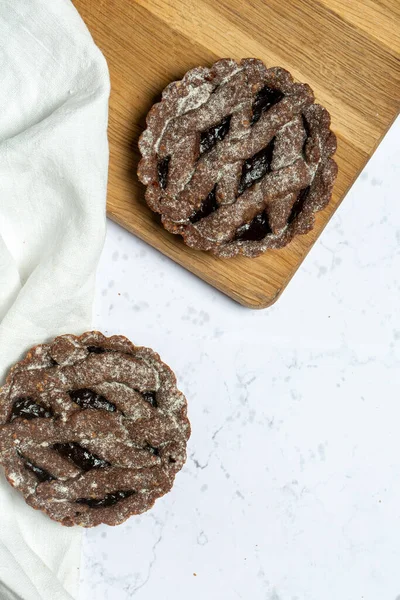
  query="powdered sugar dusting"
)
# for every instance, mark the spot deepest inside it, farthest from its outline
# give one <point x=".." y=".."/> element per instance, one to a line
<point x="303" y="146"/>
<point x="140" y="444"/>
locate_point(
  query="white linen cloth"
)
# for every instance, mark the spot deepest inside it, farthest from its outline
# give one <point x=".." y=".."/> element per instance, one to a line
<point x="53" y="172"/>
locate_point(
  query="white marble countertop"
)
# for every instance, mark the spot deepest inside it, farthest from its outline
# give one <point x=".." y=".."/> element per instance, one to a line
<point x="291" y="490"/>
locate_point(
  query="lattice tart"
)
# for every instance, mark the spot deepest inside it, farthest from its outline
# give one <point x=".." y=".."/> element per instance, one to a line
<point x="237" y="158"/>
<point x="92" y="429"/>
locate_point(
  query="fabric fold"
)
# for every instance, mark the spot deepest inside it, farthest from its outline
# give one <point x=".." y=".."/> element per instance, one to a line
<point x="53" y="179"/>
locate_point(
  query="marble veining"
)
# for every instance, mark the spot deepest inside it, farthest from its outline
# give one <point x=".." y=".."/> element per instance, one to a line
<point x="291" y="488"/>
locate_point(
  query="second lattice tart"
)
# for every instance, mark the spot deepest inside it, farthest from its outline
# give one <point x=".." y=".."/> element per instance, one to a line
<point x="92" y="429"/>
<point x="237" y="158"/>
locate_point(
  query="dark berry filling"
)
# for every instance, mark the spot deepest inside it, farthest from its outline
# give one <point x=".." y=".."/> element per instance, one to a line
<point x="89" y="399"/>
<point x="256" y="230"/>
<point x="153" y="450"/>
<point x="27" y="408"/>
<point x="83" y="459"/>
<point x="162" y="169"/>
<point x="264" y="99"/>
<point x="150" y="397"/>
<point x="96" y="349"/>
<point x="299" y="204"/>
<point x="41" y="474"/>
<point x="256" y="167"/>
<point x="307" y="132"/>
<point x="208" y="206"/>
<point x="215" y="134"/>
<point x="108" y="500"/>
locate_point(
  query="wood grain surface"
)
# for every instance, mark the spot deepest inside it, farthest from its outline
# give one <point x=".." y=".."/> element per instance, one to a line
<point x="347" y="50"/>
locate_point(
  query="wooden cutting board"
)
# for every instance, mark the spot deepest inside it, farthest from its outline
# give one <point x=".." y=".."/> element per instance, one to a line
<point x="347" y="50"/>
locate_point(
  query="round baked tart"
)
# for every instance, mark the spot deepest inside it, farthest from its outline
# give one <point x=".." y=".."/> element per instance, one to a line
<point x="237" y="158"/>
<point x="92" y="429"/>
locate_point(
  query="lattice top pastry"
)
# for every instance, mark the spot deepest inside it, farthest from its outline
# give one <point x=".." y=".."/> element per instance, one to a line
<point x="237" y="158"/>
<point x="93" y="429"/>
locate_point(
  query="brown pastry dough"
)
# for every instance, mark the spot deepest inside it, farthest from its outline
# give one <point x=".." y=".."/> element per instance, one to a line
<point x="237" y="158"/>
<point x="93" y="429"/>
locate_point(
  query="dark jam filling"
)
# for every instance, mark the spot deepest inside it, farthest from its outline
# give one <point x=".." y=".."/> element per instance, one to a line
<point x="108" y="500"/>
<point x="256" y="167"/>
<point x="215" y="134"/>
<point x="86" y="398"/>
<point x="150" y="397"/>
<point x="41" y="474"/>
<point x="83" y="459"/>
<point x="152" y="450"/>
<point x="256" y="230"/>
<point x="299" y="204"/>
<point x="208" y="206"/>
<point x="27" y="408"/>
<point x="96" y="349"/>
<point x="307" y="132"/>
<point x="265" y="99"/>
<point x="162" y="169"/>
